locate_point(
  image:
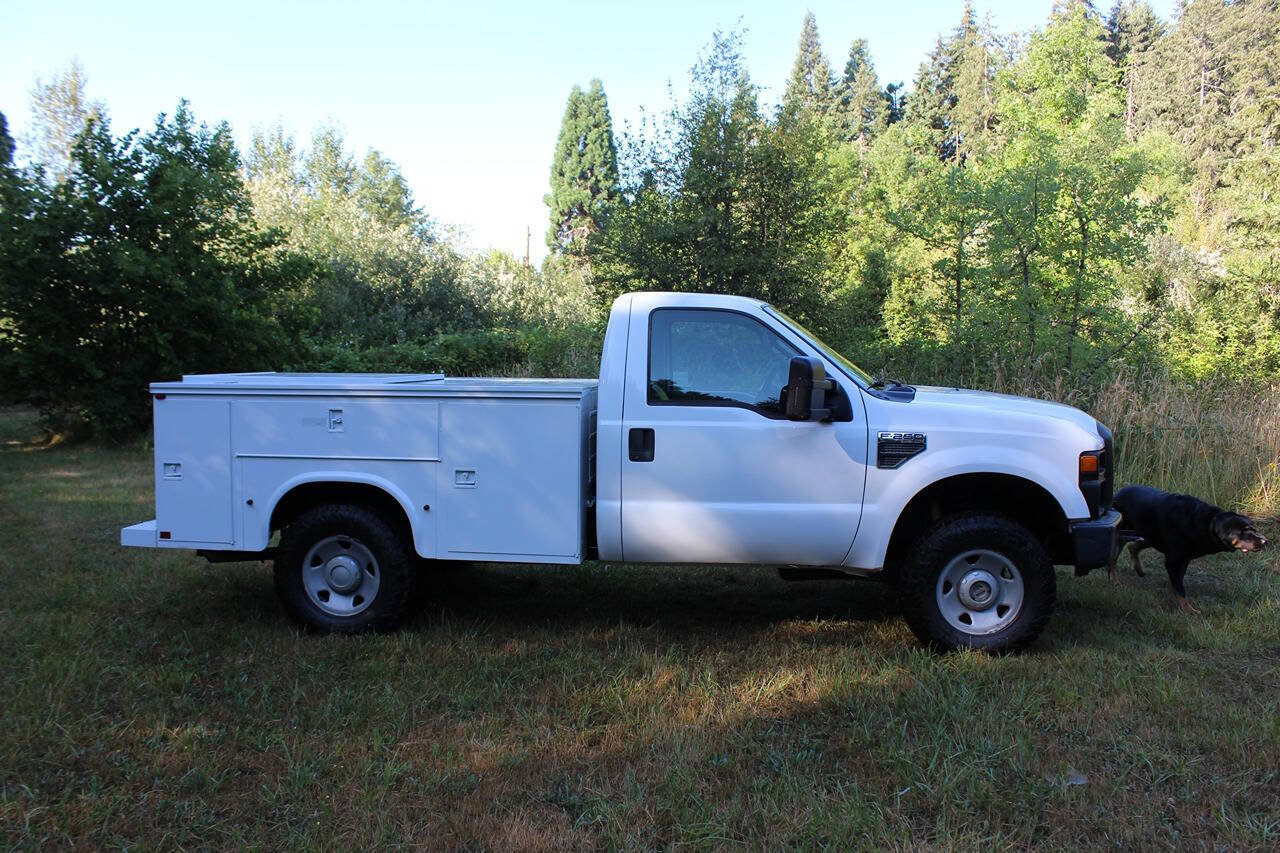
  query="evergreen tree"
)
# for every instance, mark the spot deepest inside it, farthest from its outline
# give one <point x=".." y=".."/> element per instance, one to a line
<point x="6" y="143"/>
<point x="809" y="87"/>
<point x="1132" y="28"/>
<point x="973" y="114"/>
<point x="863" y="108"/>
<point x="896" y="95"/>
<point x="584" y="171"/>
<point x="932" y="98"/>
<point x="953" y="101"/>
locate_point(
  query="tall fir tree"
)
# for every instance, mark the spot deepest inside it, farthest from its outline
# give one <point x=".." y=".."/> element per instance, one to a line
<point x="973" y="114"/>
<point x="862" y="107"/>
<point x="584" y="171"/>
<point x="1132" y="28"/>
<point x="809" y="87"/>
<point x="957" y="69"/>
<point x="932" y="97"/>
<point x="6" y="142"/>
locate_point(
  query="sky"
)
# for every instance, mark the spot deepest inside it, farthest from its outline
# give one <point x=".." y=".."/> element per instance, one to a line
<point x="466" y="97"/>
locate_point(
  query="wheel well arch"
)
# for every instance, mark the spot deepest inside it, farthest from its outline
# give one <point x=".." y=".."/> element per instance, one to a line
<point x="1018" y="498"/>
<point x="307" y="496"/>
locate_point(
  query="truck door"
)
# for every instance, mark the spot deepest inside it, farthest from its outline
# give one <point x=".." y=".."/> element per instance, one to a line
<point x="712" y="471"/>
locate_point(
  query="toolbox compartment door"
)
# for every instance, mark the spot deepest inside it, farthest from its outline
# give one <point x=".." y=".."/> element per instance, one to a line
<point x="193" y="470"/>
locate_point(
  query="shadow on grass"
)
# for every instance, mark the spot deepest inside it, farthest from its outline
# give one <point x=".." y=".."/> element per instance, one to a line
<point x="686" y="601"/>
<point x="694" y="604"/>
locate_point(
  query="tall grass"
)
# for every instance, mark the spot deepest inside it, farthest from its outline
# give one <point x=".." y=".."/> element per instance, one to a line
<point x="1218" y="440"/>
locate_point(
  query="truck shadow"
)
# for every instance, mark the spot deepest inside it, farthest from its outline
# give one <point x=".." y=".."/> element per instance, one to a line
<point x="694" y="598"/>
<point x="693" y="604"/>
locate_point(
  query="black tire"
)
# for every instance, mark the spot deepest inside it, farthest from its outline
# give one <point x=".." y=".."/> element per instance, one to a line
<point x="970" y="544"/>
<point x="378" y="600"/>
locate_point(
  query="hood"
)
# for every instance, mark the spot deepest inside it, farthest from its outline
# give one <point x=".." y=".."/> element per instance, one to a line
<point x="1008" y="405"/>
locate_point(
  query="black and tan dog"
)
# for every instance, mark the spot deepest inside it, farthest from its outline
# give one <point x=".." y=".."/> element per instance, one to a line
<point x="1182" y="528"/>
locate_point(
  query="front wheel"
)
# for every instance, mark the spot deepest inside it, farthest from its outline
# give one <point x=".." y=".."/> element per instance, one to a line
<point x="342" y="569"/>
<point x="978" y="582"/>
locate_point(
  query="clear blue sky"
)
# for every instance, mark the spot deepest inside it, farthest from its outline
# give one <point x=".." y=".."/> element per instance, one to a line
<point x="466" y="96"/>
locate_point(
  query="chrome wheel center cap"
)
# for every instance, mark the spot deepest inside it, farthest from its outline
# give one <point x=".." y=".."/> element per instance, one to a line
<point x="342" y="573"/>
<point x="978" y="590"/>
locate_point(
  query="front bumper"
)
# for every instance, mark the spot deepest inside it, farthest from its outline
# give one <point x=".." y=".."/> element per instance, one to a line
<point x="1096" y="541"/>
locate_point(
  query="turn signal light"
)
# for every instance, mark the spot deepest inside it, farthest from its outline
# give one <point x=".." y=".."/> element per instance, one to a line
<point x="1089" y="464"/>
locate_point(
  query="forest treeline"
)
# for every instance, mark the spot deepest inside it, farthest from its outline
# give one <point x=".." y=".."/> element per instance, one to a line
<point x="1101" y="194"/>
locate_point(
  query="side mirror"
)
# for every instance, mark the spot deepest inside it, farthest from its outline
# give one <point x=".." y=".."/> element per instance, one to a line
<point x="806" y="391"/>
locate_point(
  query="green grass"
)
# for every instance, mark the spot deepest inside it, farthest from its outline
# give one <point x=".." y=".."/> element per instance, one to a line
<point x="154" y="700"/>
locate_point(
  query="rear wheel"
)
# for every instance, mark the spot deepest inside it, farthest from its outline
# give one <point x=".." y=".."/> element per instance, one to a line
<point x="978" y="581"/>
<point x="343" y="569"/>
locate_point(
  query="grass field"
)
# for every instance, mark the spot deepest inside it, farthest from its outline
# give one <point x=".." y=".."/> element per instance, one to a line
<point x="153" y="700"/>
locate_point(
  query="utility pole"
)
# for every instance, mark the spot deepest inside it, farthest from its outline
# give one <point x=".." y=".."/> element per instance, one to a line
<point x="528" y="234"/>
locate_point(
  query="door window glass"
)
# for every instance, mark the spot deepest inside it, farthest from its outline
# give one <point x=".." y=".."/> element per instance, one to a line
<point x="719" y="358"/>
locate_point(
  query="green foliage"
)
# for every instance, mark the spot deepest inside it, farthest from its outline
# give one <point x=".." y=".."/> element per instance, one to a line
<point x="1097" y="195"/>
<point x="584" y="171"/>
<point x="809" y="89"/>
<point x="566" y="352"/>
<point x="60" y="110"/>
<point x="723" y="200"/>
<point x="143" y="264"/>
<point x="388" y="279"/>
<point x="862" y="110"/>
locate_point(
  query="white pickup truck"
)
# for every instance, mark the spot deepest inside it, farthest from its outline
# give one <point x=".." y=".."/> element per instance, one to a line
<point x="720" y="431"/>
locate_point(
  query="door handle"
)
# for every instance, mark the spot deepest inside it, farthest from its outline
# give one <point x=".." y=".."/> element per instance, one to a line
<point x="640" y="445"/>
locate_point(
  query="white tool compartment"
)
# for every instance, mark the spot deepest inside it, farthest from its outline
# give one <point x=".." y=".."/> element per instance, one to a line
<point x="193" y="471"/>
<point x="483" y="469"/>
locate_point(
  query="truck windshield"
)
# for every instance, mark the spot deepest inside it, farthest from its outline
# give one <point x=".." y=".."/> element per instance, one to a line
<point x="852" y="369"/>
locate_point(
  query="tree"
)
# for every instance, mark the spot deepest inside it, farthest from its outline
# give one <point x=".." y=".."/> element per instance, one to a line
<point x="6" y="143"/>
<point x="862" y="108"/>
<point x="1132" y="28"/>
<point x="584" y="171"/>
<point x="932" y="98"/>
<point x="809" y="87"/>
<point x="973" y="115"/>
<point x="389" y="278"/>
<point x="60" y="110"/>
<point x="940" y="205"/>
<point x="721" y="200"/>
<point x="143" y="264"/>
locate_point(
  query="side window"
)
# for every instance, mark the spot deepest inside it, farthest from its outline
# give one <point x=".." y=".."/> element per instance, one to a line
<point x="711" y="357"/>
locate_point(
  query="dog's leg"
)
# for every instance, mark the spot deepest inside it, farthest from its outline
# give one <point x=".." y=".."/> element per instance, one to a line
<point x="1134" y="548"/>
<point x="1177" y="569"/>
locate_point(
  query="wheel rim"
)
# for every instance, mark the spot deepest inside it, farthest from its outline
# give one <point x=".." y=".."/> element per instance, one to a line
<point x="341" y="575"/>
<point x="980" y="592"/>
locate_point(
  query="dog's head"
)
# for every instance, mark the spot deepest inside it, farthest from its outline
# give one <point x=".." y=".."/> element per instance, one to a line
<point x="1238" y="532"/>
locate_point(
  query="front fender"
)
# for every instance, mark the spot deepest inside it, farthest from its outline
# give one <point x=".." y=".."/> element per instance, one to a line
<point x="889" y="491"/>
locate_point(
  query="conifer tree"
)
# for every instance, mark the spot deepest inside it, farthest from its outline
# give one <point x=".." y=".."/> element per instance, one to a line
<point x="6" y="142"/>
<point x="863" y="107"/>
<point x="809" y="88"/>
<point x="584" y="171"/>
<point x="973" y="114"/>
<point x="1132" y="28"/>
